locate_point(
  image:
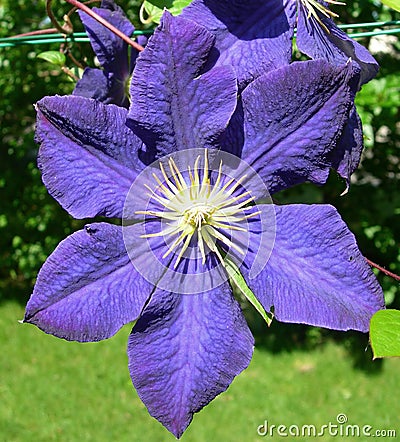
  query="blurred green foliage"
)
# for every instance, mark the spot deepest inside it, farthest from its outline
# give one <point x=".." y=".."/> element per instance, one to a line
<point x="32" y="223"/>
<point x="154" y="8"/>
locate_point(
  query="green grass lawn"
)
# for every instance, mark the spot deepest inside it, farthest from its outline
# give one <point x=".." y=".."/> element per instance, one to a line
<point x="52" y="390"/>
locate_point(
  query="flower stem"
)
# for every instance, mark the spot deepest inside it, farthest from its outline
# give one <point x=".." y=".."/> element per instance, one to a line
<point x="38" y="32"/>
<point x="65" y="29"/>
<point x="105" y="23"/>
<point x="383" y="270"/>
<point x="69" y="73"/>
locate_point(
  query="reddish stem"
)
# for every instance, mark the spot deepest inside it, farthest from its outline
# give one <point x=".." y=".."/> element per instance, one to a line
<point x="38" y="32"/>
<point x="383" y="270"/>
<point x="105" y="23"/>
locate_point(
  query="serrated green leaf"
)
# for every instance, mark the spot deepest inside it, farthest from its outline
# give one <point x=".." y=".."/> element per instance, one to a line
<point x="385" y="333"/>
<point x="238" y="281"/>
<point x="155" y="8"/>
<point x="53" y="57"/>
<point x="394" y="4"/>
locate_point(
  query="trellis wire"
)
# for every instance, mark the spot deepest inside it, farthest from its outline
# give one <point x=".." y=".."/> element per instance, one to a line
<point x="82" y="37"/>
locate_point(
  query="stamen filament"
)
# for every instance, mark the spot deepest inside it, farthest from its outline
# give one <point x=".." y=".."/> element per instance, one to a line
<point x="201" y="245"/>
<point x="167" y="180"/>
<point x="224" y="239"/>
<point x="183" y="250"/>
<point x="175" y="244"/>
<point x="313" y="6"/>
<point x="211" y="245"/>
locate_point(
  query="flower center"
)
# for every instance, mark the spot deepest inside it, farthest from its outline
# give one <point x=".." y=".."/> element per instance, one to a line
<point x="197" y="216"/>
<point x="197" y="212"/>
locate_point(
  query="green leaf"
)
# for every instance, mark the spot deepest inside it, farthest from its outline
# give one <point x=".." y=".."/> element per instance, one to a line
<point x="238" y="281"/>
<point x="155" y="8"/>
<point x="53" y="57"/>
<point x="394" y="4"/>
<point x="385" y="333"/>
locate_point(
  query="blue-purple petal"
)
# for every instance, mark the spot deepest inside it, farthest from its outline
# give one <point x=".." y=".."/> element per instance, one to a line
<point x="175" y="106"/>
<point x="333" y="45"/>
<point x="111" y="50"/>
<point x="186" y="349"/>
<point x="293" y="119"/>
<point x="254" y="37"/>
<point x="99" y="85"/>
<point x="109" y="84"/>
<point x="347" y="154"/>
<point x="88" y="288"/>
<point x="88" y="157"/>
<point x="316" y="274"/>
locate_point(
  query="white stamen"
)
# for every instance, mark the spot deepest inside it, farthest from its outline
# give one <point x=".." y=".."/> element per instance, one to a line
<point x="194" y="205"/>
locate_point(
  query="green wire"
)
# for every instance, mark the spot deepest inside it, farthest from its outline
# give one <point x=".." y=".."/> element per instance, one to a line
<point x="370" y="25"/>
<point x="82" y="37"/>
<point x="373" y="34"/>
<point x="41" y="41"/>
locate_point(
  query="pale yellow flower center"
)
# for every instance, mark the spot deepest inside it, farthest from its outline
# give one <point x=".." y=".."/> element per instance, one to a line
<point x="193" y="205"/>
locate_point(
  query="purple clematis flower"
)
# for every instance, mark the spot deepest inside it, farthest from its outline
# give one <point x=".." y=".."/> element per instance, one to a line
<point x="189" y="340"/>
<point x="256" y="37"/>
<point x="109" y="84"/>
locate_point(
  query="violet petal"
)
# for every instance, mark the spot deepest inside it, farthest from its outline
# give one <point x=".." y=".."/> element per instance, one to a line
<point x="346" y="157"/>
<point x="293" y="119"/>
<point x="316" y="274"/>
<point x="88" y="288"/>
<point x="254" y="37"/>
<point x="171" y="99"/>
<point x="111" y="50"/>
<point x="88" y="157"/>
<point x="185" y="350"/>
<point x="112" y="53"/>
<point x="334" y="46"/>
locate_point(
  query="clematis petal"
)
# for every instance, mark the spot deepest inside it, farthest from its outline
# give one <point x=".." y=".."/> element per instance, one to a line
<point x="108" y="84"/>
<point x="171" y="99"/>
<point x="334" y="46"/>
<point x="316" y="274"/>
<point x="186" y="349"/>
<point x="111" y="50"/>
<point x="232" y="139"/>
<point x="88" y="288"/>
<point x="346" y="156"/>
<point x="88" y="157"/>
<point x="96" y="84"/>
<point x="254" y="37"/>
<point x="293" y="118"/>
